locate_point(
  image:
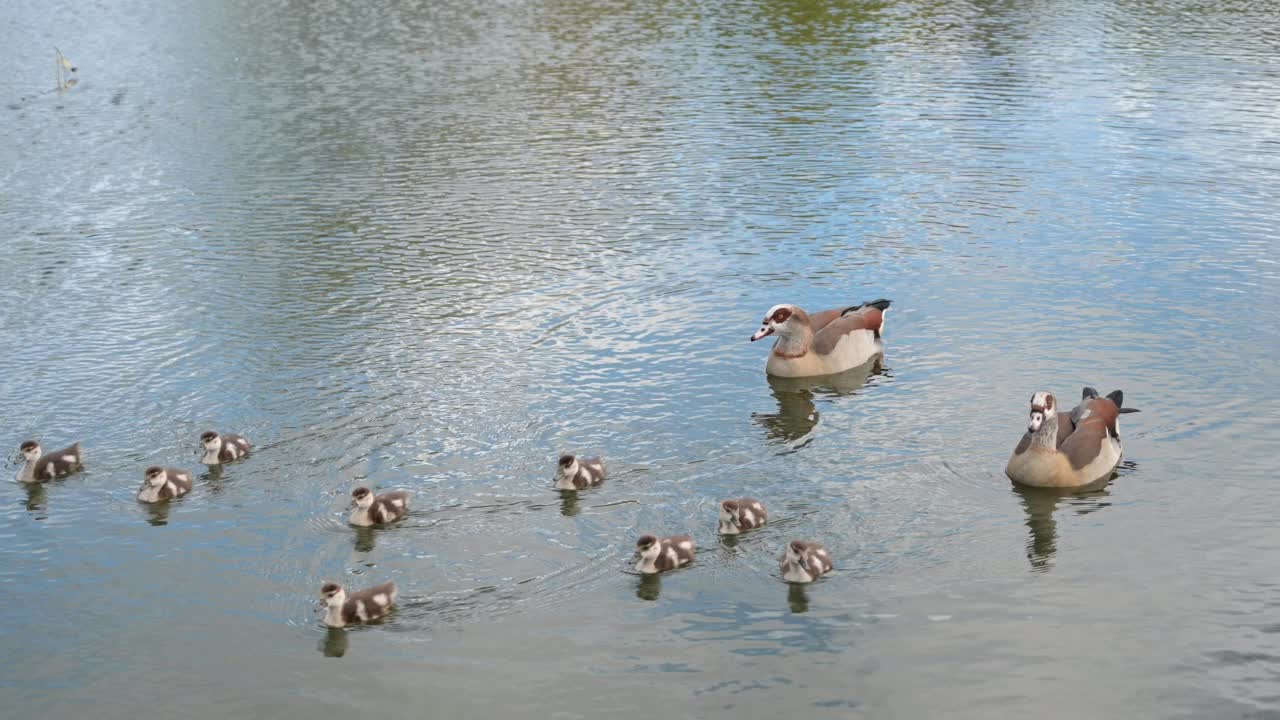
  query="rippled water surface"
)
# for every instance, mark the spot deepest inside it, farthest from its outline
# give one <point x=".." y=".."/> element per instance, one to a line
<point x="430" y="245"/>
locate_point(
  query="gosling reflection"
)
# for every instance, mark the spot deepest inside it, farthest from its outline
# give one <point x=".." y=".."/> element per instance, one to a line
<point x="569" y="503"/>
<point x="798" y="414"/>
<point x="334" y="643"/>
<point x="649" y="587"/>
<point x="37" y="497"/>
<point x="212" y="480"/>
<point x="797" y="598"/>
<point x="157" y="514"/>
<point x="1040" y="504"/>
<point x="366" y="538"/>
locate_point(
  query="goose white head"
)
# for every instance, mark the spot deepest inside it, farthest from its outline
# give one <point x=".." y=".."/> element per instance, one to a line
<point x="647" y="549"/>
<point x="783" y="320"/>
<point x="362" y="497"/>
<point x="1043" y="405"/>
<point x="211" y="441"/>
<point x="30" y="451"/>
<point x="154" y="477"/>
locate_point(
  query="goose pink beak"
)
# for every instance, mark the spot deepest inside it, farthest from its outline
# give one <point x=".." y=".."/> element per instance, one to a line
<point x="763" y="332"/>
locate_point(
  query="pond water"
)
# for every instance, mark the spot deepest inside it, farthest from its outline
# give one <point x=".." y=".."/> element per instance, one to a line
<point x="430" y="245"/>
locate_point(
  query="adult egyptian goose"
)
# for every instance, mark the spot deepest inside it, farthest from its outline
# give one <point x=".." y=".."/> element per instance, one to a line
<point x="40" y="467"/>
<point x="222" y="447"/>
<point x="1069" y="449"/>
<point x="655" y="554"/>
<point x="804" y="562"/>
<point x="824" y="343"/>
<point x="575" y="473"/>
<point x="371" y="604"/>
<point x="159" y="483"/>
<point x="740" y="515"/>
<point x="380" y="510"/>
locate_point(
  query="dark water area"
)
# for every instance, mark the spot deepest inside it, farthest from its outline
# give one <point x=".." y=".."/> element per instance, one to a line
<point x="432" y="245"/>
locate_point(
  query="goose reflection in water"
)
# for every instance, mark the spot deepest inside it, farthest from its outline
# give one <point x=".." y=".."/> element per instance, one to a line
<point x="569" y="503"/>
<point x="366" y="538"/>
<point x="334" y="643"/>
<point x="157" y="514"/>
<point x="1040" y="504"/>
<point x="37" y="498"/>
<point x="211" y="479"/>
<point x="649" y="587"/>
<point x="797" y="598"/>
<point x="798" y="414"/>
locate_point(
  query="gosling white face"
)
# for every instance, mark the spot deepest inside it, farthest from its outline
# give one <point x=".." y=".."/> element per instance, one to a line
<point x="780" y="319"/>
<point x="729" y="513"/>
<point x="154" y="477"/>
<point x="1042" y="404"/>
<point x="211" y="441"/>
<point x="795" y="555"/>
<point x="332" y="594"/>
<point x="362" y="497"/>
<point x="30" y="450"/>
<point x="568" y="467"/>
<point x="647" y="549"/>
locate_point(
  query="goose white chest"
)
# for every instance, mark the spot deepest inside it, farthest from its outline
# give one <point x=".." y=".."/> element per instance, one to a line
<point x="850" y="351"/>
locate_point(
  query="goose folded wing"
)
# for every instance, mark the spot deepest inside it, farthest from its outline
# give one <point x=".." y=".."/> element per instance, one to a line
<point x="866" y="318"/>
